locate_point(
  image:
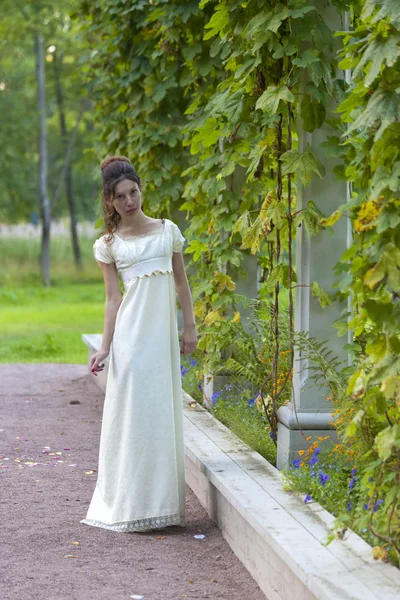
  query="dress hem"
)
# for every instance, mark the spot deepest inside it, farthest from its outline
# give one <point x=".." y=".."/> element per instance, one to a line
<point x="147" y="524"/>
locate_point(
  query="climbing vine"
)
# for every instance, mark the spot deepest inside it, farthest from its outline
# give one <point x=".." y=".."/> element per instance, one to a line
<point x="370" y="268"/>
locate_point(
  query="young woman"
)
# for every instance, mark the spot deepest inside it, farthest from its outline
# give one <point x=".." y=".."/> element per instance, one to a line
<point x="141" y="471"/>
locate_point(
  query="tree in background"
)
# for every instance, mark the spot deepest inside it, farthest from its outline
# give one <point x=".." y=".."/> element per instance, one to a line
<point x="48" y="131"/>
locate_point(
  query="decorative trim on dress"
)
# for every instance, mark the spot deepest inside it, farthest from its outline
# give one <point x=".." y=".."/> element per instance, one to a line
<point x="127" y="237"/>
<point x="161" y="264"/>
<point x="157" y="272"/>
<point x="146" y="524"/>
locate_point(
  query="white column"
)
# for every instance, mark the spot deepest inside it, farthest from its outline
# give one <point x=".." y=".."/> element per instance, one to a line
<point x="315" y="260"/>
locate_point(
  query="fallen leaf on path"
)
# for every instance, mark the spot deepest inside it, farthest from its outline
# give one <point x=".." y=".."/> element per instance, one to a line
<point x="61" y="390"/>
<point x="67" y="448"/>
<point x="213" y="580"/>
<point x="75" y="543"/>
<point x="160" y="537"/>
<point x="74" y="402"/>
<point x="70" y="556"/>
<point x="190" y="581"/>
<point x="89" y="472"/>
<point x="137" y="597"/>
<point x="58" y="452"/>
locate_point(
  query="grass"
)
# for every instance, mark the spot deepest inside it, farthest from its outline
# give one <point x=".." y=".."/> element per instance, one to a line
<point x="40" y="324"/>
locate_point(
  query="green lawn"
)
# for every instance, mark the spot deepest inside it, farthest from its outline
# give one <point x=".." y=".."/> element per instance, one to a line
<point x="39" y="324"/>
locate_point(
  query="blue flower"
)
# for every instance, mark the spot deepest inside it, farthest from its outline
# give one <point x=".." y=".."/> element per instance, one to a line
<point x="296" y="463"/>
<point x="353" y="472"/>
<point x="317" y="450"/>
<point x="215" y="396"/>
<point x="307" y="499"/>
<point x="194" y="362"/>
<point x="365" y="506"/>
<point x="183" y="370"/>
<point x="314" y="460"/>
<point x="251" y="401"/>
<point x="351" y="484"/>
<point x="200" y="387"/>
<point x="348" y="506"/>
<point x="377" y="504"/>
<point x="323" y="477"/>
<point x="272" y="435"/>
<point x="228" y="386"/>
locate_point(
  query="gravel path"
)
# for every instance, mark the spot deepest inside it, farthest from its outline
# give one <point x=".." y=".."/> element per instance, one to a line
<point x="49" y="439"/>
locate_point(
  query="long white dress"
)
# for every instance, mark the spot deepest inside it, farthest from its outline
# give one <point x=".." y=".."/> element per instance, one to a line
<point x="141" y="470"/>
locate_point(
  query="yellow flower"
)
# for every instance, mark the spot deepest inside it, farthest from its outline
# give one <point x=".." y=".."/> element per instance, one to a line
<point x="301" y="452"/>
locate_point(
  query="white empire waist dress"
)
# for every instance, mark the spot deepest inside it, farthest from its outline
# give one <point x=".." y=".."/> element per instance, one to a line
<point x="141" y="470"/>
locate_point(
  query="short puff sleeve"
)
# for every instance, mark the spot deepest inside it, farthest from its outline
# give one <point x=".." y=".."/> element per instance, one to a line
<point x="178" y="239"/>
<point x="102" y="251"/>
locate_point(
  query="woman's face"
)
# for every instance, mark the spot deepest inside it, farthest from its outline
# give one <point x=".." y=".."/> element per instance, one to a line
<point x="128" y="199"/>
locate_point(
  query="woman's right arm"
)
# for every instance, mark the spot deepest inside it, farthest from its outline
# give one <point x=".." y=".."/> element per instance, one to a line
<point x="112" y="303"/>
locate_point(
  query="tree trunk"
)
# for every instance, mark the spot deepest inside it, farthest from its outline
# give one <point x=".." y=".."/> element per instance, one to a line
<point x="68" y="172"/>
<point x="45" y="209"/>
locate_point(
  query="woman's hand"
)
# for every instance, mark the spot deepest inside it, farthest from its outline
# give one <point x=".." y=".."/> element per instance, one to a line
<point x="96" y="361"/>
<point x="189" y="339"/>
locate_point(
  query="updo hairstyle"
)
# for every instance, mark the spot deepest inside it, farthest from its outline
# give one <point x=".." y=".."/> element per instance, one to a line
<point x="113" y="170"/>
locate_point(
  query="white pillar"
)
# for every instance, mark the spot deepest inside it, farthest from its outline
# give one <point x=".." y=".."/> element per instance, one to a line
<point x="315" y="260"/>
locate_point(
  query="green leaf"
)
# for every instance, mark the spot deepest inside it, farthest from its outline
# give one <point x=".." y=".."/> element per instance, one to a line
<point x="313" y="113"/>
<point x="375" y="275"/>
<point x="302" y="163"/>
<point x="321" y="295"/>
<point x="208" y="134"/>
<point x="390" y="8"/>
<point x="383" y="178"/>
<point x="383" y="107"/>
<point x="386" y="440"/>
<point x="307" y="57"/>
<point x="332" y="219"/>
<point x="342" y="326"/>
<point x="268" y="102"/>
<point x="381" y="50"/>
<point x="266" y="20"/>
<point x="218" y="21"/>
<point x="334" y="147"/>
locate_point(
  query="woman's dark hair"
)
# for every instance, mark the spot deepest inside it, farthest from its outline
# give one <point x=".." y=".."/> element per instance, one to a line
<point x="113" y="170"/>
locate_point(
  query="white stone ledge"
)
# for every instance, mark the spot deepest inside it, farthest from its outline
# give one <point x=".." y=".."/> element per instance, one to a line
<point x="278" y="538"/>
<point x="277" y="529"/>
